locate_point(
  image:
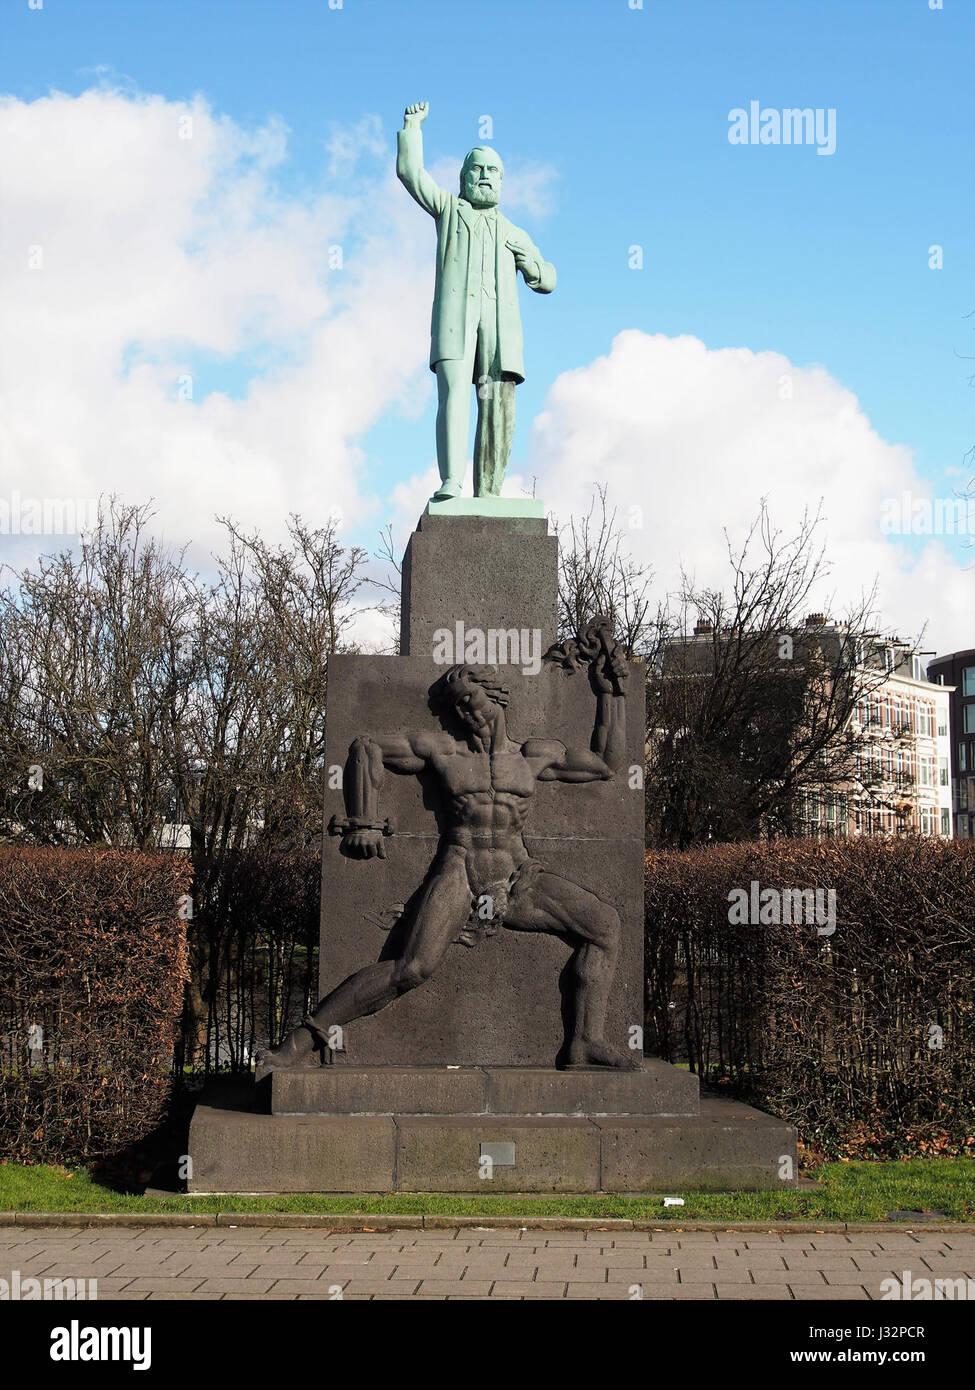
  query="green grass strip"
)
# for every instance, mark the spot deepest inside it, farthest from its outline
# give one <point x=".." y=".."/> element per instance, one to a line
<point x="844" y="1192"/>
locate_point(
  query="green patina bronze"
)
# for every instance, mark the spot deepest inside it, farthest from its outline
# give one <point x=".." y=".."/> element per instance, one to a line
<point x="476" y="333"/>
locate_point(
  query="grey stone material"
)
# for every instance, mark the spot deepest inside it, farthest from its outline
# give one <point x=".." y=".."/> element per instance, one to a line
<point x="468" y="784"/>
<point x="237" y="1151"/>
<point x="504" y="1002"/>
<point x="443" y="1154"/>
<point x="350" y="1090"/>
<point x="727" y="1146"/>
<point x="481" y="571"/>
<point x="659" y="1089"/>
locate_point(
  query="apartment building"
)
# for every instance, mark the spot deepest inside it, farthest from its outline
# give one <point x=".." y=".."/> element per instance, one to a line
<point x="956" y="673"/>
<point x="902" y="728"/>
<point x="897" y="743"/>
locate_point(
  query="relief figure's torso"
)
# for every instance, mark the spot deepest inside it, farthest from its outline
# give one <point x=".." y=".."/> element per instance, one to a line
<point x="486" y="803"/>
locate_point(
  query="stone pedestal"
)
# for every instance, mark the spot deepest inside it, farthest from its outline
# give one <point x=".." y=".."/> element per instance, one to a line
<point x="431" y="1129"/>
<point x="453" y="1086"/>
<point x="505" y="1002"/>
<point x="482" y="571"/>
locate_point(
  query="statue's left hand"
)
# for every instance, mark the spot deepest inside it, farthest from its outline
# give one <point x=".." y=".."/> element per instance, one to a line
<point x="524" y="260"/>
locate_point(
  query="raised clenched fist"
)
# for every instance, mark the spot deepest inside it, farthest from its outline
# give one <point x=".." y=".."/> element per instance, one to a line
<point x="416" y="113"/>
<point x="363" y="844"/>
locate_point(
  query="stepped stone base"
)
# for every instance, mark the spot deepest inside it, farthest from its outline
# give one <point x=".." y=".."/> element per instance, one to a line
<point x="397" y="1129"/>
<point x="659" y="1089"/>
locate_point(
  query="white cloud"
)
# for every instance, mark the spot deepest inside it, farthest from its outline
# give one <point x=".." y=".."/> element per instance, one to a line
<point x="166" y="250"/>
<point x="695" y="438"/>
<point x="347" y="145"/>
<point x="529" y="188"/>
<point x="410" y="497"/>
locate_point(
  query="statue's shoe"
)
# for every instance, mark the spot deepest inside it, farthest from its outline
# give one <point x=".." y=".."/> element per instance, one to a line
<point x="447" y="491"/>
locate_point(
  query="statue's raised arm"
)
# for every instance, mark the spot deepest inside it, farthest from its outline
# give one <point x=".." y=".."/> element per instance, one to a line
<point x="409" y="162"/>
<point x="596" y="650"/>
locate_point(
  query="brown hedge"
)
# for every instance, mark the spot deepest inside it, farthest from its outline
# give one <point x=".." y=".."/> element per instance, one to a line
<point x="838" y="1033"/>
<point x="93" y="950"/>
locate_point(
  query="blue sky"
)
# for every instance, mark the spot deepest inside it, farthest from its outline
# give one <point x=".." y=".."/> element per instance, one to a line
<point x="821" y="259"/>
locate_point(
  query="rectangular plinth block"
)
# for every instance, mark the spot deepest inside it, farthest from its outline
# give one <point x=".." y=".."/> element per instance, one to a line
<point x="488" y="571"/>
<point x="658" y="1089"/>
<point x="557" y="862"/>
<point x="492" y="507"/>
<point x="239" y="1151"/>
<point x="727" y="1146"/>
<point x="446" y="1154"/>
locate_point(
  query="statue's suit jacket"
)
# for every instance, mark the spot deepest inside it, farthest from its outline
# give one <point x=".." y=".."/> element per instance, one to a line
<point x="458" y="286"/>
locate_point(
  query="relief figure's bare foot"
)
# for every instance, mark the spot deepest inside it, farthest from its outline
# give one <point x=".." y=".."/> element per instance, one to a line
<point x="297" y="1050"/>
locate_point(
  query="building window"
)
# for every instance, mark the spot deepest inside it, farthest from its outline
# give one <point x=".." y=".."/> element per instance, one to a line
<point x="968" y="681"/>
<point x="969" y="719"/>
<point x="945" y="821"/>
<point x="963" y="757"/>
<point x="943" y="774"/>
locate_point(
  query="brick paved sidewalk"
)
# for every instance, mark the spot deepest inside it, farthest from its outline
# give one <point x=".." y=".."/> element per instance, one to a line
<point x="262" y="1263"/>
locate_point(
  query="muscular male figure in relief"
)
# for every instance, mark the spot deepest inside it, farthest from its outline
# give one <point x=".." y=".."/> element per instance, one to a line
<point x="487" y="781"/>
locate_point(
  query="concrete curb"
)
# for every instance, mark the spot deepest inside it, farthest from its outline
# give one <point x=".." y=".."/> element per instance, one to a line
<point x="386" y="1221"/>
<point x="533" y="1223"/>
<point x="337" y="1221"/>
<point x="110" y="1218"/>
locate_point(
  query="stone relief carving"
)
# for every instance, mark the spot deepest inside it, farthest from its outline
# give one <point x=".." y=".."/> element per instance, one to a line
<point x="482" y="877"/>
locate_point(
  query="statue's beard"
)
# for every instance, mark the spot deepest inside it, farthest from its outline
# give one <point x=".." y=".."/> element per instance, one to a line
<point x="482" y="196"/>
